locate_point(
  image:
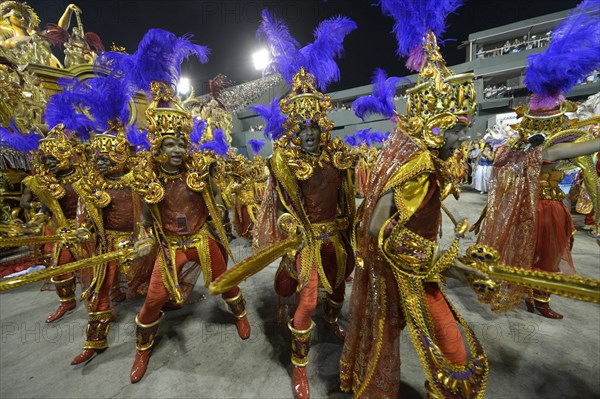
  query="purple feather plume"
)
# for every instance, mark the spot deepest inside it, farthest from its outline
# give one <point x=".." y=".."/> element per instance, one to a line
<point x="158" y="57"/>
<point x="319" y="55"/>
<point x="138" y="138"/>
<point x="365" y="136"/>
<point x="256" y="145"/>
<point x="381" y="99"/>
<point x="573" y="53"/>
<point x="317" y="58"/>
<point x="413" y="20"/>
<point x="196" y="134"/>
<point x="12" y="137"/>
<point x="63" y="107"/>
<point x="105" y="99"/>
<point x="351" y="141"/>
<point x="273" y="117"/>
<point x="286" y="58"/>
<point x="218" y="144"/>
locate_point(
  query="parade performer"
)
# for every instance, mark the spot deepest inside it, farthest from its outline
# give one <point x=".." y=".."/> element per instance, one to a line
<point x="106" y="200"/>
<point x="57" y="166"/>
<point x="526" y="220"/>
<point x="249" y="175"/>
<point x="400" y="283"/>
<point x="310" y="188"/>
<point x="181" y="214"/>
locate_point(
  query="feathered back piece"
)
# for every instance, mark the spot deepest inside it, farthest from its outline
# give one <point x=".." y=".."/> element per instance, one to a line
<point x="381" y="100"/>
<point x="573" y="53"/>
<point x="273" y="117"/>
<point x="414" y="19"/>
<point x="256" y="145"/>
<point x="317" y="58"/>
<point x="158" y="58"/>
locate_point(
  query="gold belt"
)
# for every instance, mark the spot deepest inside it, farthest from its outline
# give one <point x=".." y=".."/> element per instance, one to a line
<point x="186" y="241"/>
<point x="551" y="193"/>
<point x="327" y="229"/>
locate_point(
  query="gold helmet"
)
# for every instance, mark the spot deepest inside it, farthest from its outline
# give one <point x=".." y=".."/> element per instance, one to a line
<point x="305" y="106"/>
<point x="59" y="146"/>
<point x="115" y="146"/>
<point x="166" y="118"/>
<point x="439" y="99"/>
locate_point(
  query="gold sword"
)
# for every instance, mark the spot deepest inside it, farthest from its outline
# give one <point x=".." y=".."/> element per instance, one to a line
<point x="125" y="253"/>
<point x="487" y="260"/>
<point x="254" y="264"/>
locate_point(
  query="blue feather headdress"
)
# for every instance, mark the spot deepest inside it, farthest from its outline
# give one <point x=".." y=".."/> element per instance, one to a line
<point x="273" y="117"/>
<point x="218" y="144"/>
<point x="13" y="138"/>
<point x="317" y="58"/>
<point x="381" y="99"/>
<point x="365" y="136"/>
<point x="200" y="126"/>
<point x="138" y="139"/>
<point x="65" y="108"/>
<point x="256" y="145"/>
<point x="158" y="58"/>
<point x="414" y="19"/>
<point x="573" y="53"/>
<point x="106" y="100"/>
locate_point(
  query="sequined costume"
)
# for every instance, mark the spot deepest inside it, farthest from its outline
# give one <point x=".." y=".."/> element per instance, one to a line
<point x="526" y="220"/>
<point x="59" y="201"/>
<point x="310" y="188"/>
<point x="400" y="282"/>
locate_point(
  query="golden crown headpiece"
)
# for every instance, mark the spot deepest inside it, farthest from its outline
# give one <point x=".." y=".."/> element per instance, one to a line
<point x="305" y="106"/>
<point x="440" y="98"/>
<point x="114" y="144"/>
<point x="58" y="145"/>
<point x="166" y="118"/>
<point x="7" y="8"/>
<point x="544" y="121"/>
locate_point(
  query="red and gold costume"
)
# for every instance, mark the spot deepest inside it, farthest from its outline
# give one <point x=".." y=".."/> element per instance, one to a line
<point x="59" y="199"/>
<point x="248" y="189"/>
<point x="530" y="226"/>
<point x="400" y="283"/>
<point x="184" y="222"/>
<point x="313" y="193"/>
<point x="526" y="221"/>
<point x="108" y="203"/>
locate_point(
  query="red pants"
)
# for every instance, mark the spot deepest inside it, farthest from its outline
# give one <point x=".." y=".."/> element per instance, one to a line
<point x="103" y="301"/>
<point x="65" y="256"/>
<point x="448" y="336"/>
<point x="307" y="298"/>
<point x="157" y="292"/>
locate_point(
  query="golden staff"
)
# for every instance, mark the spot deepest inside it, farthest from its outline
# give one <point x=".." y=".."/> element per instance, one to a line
<point x="65" y="237"/>
<point x="253" y="264"/>
<point x="486" y="260"/>
<point x="124" y="254"/>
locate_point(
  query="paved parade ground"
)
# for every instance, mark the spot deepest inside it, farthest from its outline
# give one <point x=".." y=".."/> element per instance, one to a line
<point x="199" y="355"/>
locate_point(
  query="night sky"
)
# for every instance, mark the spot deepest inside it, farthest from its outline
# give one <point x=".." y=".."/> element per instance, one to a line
<point x="228" y="28"/>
